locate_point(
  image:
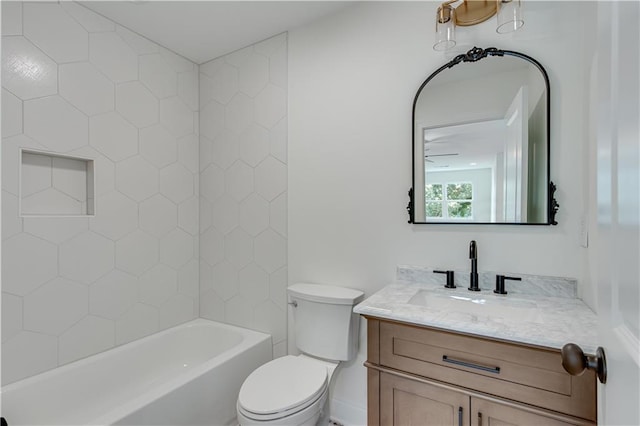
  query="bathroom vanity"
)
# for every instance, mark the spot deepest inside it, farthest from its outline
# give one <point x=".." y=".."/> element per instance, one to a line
<point x="445" y="357"/>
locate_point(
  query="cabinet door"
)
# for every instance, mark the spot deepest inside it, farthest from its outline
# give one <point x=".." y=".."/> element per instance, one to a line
<point x="405" y="402"/>
<point x="487" y="413"/>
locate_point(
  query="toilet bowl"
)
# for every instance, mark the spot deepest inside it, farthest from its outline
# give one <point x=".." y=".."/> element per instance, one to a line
<point x="291" y="390"/>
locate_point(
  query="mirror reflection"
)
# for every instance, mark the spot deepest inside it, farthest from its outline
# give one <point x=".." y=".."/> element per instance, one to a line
<point x="481" y="147"/>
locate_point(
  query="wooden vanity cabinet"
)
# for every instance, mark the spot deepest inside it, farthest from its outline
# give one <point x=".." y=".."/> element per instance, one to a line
<point x="424" y="376"/>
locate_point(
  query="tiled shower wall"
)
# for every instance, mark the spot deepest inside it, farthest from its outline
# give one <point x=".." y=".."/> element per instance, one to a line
<point x="243" y="189"/>
<point x="75" y="83"/>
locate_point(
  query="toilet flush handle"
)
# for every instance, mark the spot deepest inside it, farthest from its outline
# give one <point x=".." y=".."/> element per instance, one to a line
<point x="294" y="304"/>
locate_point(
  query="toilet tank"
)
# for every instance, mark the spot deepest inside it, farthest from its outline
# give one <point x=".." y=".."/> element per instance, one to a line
<point x="323" y="320"/>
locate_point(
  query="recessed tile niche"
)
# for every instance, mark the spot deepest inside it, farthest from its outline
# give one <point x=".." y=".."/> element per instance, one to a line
<point x="55" y="185"/>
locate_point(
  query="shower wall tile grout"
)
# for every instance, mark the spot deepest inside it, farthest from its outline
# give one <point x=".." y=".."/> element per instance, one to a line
<point x="142" y="154"/>
<point x="92" y="269"/>
<point x="243" y="182"/>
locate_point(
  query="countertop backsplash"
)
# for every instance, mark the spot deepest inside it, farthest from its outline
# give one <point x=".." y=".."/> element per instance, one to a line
<point x="539" y="285"/>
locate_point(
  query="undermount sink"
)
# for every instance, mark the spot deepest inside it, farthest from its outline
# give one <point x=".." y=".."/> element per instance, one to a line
<point x="517" y="310"/>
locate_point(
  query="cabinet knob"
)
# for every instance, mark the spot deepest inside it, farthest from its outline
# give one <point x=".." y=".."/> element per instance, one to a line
<point x="575" y="361"/>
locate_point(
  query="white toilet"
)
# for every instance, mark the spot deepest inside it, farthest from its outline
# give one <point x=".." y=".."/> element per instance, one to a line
<point x="292" y="390"/>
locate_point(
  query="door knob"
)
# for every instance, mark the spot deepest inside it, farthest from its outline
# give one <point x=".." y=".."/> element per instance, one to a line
<point x="575" y="361"/>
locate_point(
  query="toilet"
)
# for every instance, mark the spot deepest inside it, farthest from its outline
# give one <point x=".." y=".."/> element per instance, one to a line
<point x="293" y="390"/>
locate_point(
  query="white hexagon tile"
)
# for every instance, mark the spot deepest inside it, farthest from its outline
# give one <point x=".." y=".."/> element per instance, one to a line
<point x="87" y="88"/>
<point x="244" y="138"/>
<point x="253" y="283"/>
<point x="90" y="335"/>
<point x="42" y="311"/>
<point x="184" y="225"/>
<point x="158" y="146"/>
<point x="75" y="83"/>
<point x="11" y="316"/>
<point x="118" y="216"/>
<point x="224" y="279"/>
<point x="11" y="114"/>
<point x="113" y="57"/>
<point x="158" y="76"/>
<point x="87" y="257"/>
<point x="137" y="178"/>
<point x="26" y="71"/>
<point x="137" y="252"/>
<point x="54" y="229"/>
<point x="225" y="214"/>
<point x="238" y="113"/>
<point x="176" y="182"/>
<point x="55" y="123"/>
<point x="158" y="285"/>
<point x="91" y="22"/>
<point x="176" y="248"/>
<point x="158" y="215"/>
<point x="239" y="180"/>
<point x="238" y="247"/>
<point x="225" y="149"/>
<point x="139" y="321"/>
<point x="113" y="136"/>
<point x="113" y="295"/>
<point x="27" y="263"/>
<point x="28" y="353"/>
<point x="188" y="283"/>
<point x="11" y="18"/>
<point x="50" y="28"/>
<point x="254" y="214"/>
<point x="136" y="104"/>
<point x="254" y="144"/>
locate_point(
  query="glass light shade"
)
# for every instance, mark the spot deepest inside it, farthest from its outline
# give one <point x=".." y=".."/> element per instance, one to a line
<point x="445" y="28"/>
<point x="509" y="16"/>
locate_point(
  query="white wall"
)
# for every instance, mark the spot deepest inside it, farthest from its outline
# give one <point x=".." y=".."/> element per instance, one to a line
<point x="243" y="189"/>
<point x="352" y="80"/>
<point x="78" y="84"/>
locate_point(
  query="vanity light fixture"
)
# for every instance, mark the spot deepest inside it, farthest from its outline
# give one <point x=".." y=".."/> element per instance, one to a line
<point x="472" y="12"/>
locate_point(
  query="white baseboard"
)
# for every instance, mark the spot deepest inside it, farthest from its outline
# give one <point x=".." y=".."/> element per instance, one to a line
<point x="347" y="414"/>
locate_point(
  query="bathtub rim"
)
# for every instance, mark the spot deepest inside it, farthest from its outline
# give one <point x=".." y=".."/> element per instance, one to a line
<point x="249" y="338"/>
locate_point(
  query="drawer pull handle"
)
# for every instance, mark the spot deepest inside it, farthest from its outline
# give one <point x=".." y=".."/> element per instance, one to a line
<point x="479" y="418"/>
<point x="459" y="416"/>
<point x="495" y="370"/>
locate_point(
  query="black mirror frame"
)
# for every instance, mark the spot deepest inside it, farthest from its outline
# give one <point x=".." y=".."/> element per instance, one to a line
<point x="474" y="55"/>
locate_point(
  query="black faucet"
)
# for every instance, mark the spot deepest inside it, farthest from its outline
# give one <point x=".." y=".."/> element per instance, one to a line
<point x="473" y="277"/>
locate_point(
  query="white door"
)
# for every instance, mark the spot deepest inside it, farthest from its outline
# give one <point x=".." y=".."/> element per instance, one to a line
<point x="516" y="151"/>
<point x="618" y="186"/>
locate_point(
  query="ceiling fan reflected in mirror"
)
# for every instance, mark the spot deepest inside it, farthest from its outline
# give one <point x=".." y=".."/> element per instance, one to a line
<point x="426" y="156"/>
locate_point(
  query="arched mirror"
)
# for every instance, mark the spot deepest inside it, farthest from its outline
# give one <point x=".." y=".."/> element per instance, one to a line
<point x="481" y="142"/>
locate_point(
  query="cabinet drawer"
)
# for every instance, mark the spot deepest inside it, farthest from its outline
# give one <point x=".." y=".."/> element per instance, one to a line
<point x="525" y="374"/>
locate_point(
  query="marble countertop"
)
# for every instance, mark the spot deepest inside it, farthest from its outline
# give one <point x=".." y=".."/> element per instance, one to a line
<point x="535" y="319"/>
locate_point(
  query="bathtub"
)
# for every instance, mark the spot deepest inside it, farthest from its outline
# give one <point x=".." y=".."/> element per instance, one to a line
<point x="186" y="375"/>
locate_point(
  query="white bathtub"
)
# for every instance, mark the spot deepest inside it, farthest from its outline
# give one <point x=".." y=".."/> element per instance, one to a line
<point x="187" y="375"/>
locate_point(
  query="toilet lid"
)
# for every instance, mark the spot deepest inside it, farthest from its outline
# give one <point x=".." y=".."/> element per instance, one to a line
<point x="283" y="384"/>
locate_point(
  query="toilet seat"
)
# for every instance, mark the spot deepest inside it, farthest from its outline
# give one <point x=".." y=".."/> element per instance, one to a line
<point x="282" y="387"/>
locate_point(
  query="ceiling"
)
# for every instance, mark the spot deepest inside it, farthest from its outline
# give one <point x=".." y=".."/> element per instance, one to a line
<point x="464" y="146"/>
<point x="204" y="30"/>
